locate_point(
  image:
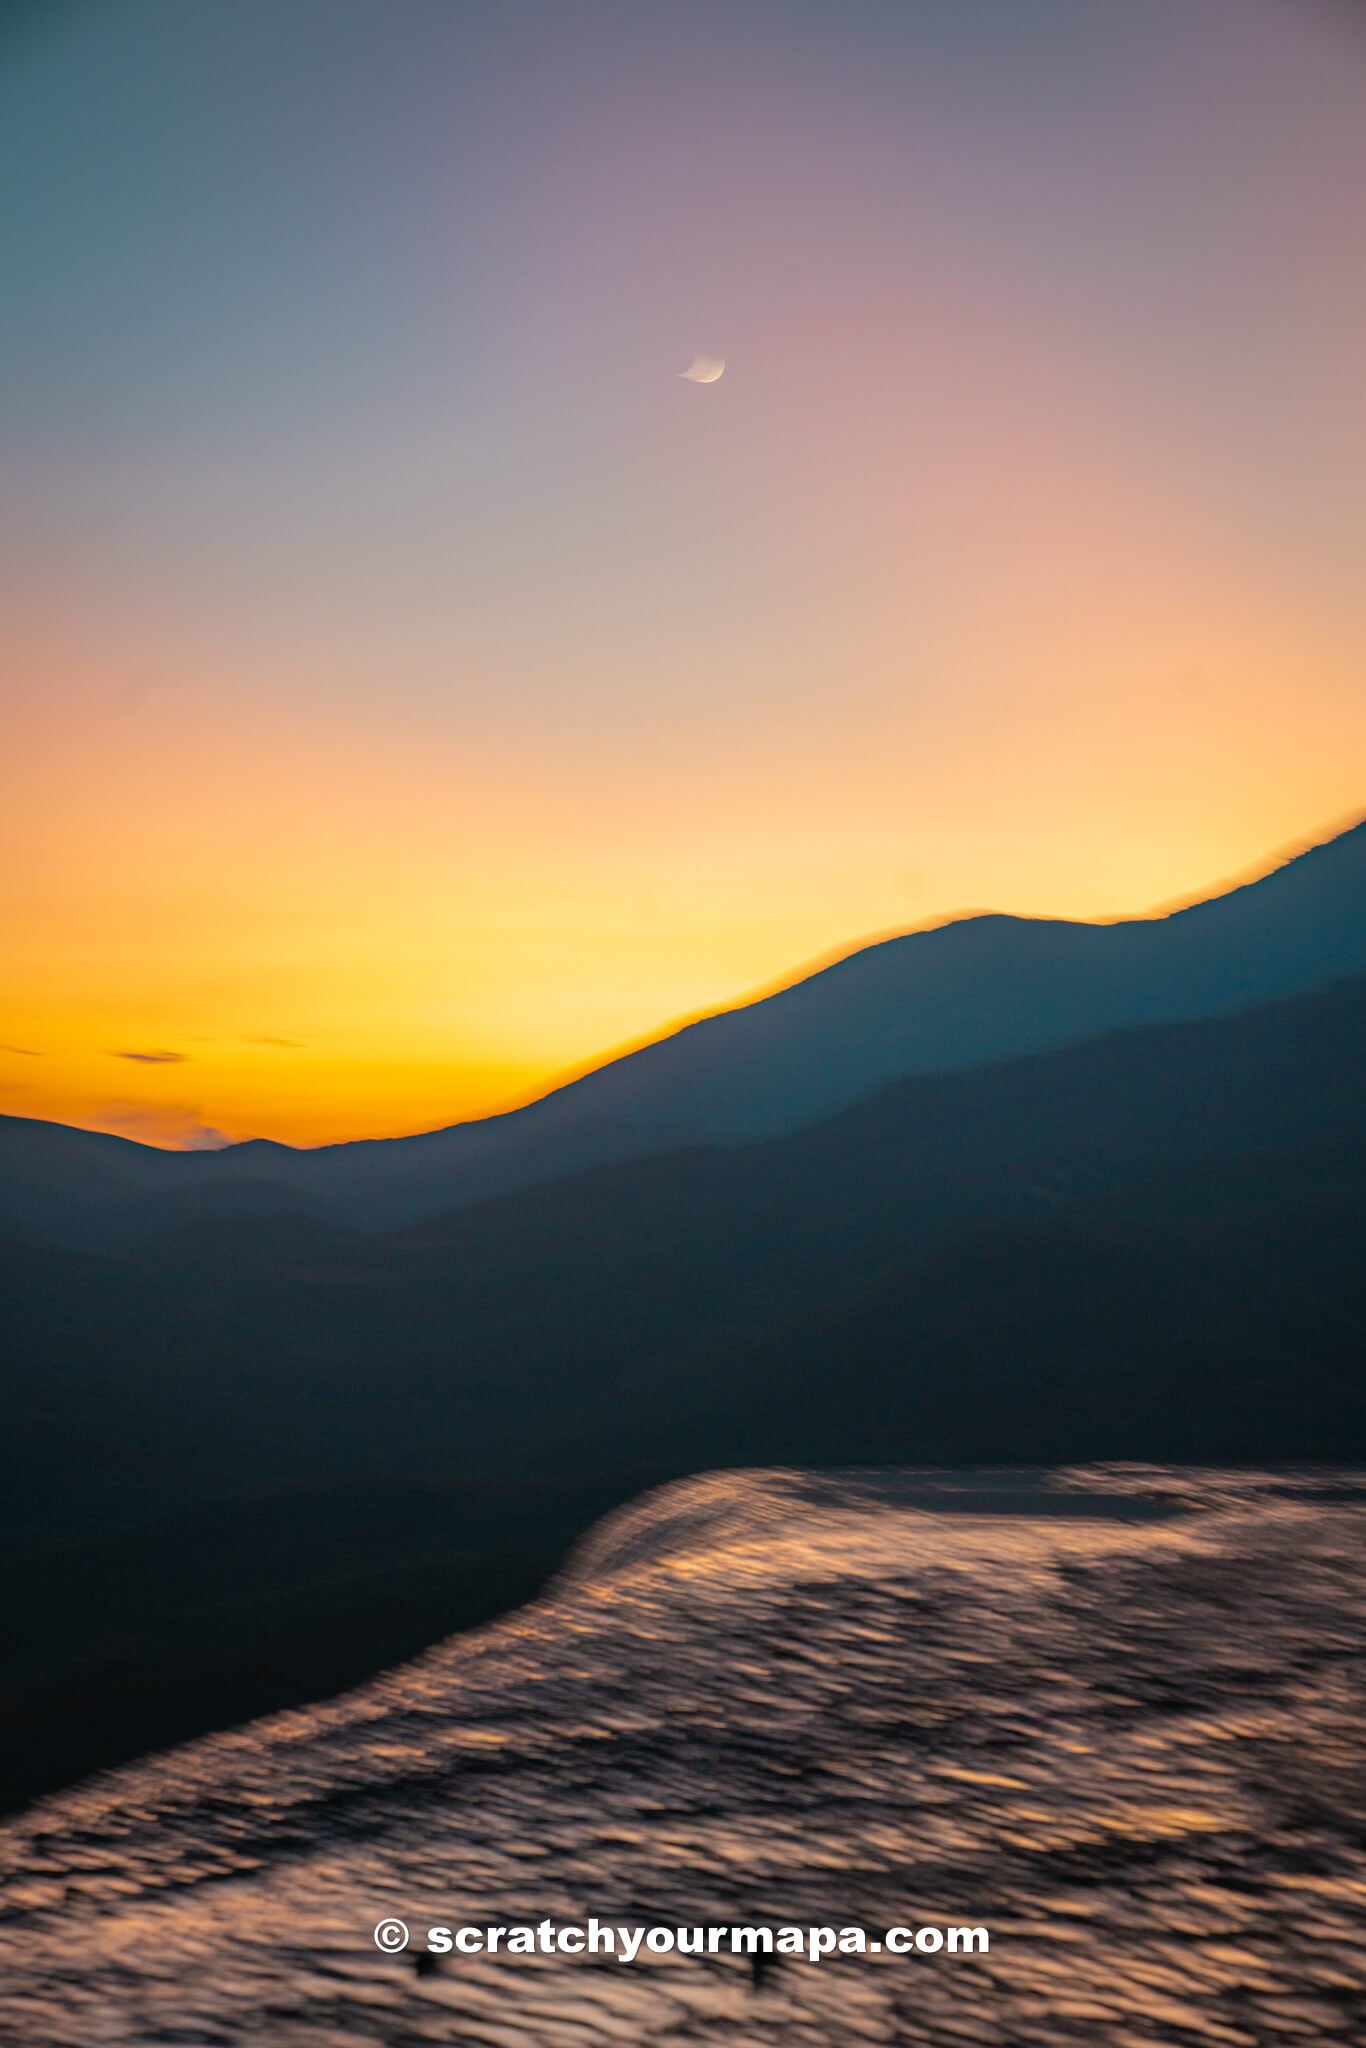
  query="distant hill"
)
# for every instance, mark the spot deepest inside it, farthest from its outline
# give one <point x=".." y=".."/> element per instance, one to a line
<point x="979" y="990"/>
<point x="260" y="1456"/>
<point x="578" y="1321"/>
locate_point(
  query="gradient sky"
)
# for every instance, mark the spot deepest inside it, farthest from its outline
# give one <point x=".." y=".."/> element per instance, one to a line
<point x="414" y="688"/>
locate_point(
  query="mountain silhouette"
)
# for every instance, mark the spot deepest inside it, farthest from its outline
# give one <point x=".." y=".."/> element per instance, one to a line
<point x="981" y="989"/>
<point x="261" y="1456"/>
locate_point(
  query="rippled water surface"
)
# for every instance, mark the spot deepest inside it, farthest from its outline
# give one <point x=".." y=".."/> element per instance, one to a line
<point x="1129" y="1740"/>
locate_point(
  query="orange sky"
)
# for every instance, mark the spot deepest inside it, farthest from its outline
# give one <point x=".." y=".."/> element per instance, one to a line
<point x="413" y="689"/>
<point x="354" y="933"/>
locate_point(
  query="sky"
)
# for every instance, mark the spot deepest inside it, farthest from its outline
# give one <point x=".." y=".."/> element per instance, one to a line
<point x="413" y="688"/>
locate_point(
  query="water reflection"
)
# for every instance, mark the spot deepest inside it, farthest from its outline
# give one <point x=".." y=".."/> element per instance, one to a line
<point x="1117" y="1718"/>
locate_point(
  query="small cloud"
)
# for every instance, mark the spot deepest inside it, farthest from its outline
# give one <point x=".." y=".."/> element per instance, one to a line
<point x="152" y="1059"/>
<point x="27" y="1052"/>
<point x="177" y="1126"/>
<point x="286" y="1044"/>
<point x="203" y="1138"/>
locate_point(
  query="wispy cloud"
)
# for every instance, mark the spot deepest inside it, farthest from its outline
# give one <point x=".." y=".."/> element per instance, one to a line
<point x="286" y="1044"/>
<point x="198" y="1137"/>
<point x="28" y="1052"/>
<point x="152" y="1059"/>
<point x="177" y="1125"/>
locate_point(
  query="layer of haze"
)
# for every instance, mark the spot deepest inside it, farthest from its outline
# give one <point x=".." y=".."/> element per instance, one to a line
<point x="413" y="687"/>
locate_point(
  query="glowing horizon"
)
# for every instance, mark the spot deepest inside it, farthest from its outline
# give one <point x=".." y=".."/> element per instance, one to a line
<point x="415" y="685"/>
<point x="167" y="1129"/>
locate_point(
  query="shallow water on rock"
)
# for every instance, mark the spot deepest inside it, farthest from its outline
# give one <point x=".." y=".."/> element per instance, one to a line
<point x="1117" y="1717"/>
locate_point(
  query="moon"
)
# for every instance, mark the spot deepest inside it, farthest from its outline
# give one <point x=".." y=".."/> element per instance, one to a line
<point x="704" y="369"/>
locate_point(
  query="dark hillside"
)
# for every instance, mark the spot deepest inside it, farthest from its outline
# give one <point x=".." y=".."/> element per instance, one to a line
<point x="1148" y="1245"/>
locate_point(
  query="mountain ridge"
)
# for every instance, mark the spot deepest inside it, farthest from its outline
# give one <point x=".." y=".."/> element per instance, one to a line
<point x="260" y="1448"/>
<point x="965" y="993"/>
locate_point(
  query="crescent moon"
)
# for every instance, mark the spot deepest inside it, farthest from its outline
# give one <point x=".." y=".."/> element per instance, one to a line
<point x="704" y="369"/>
